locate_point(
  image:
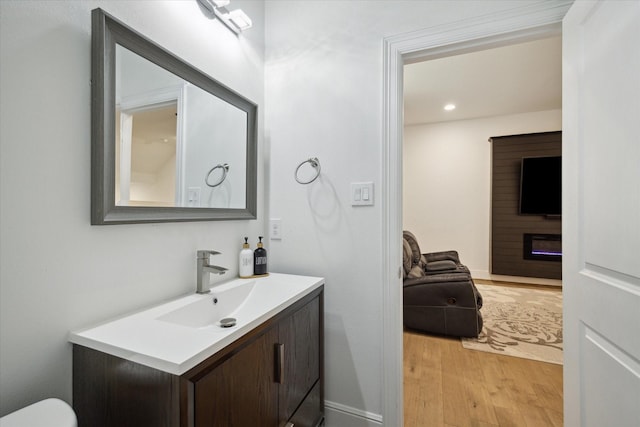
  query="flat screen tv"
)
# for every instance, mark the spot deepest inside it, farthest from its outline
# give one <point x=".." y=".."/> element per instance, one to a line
<point x="541" y="186"/>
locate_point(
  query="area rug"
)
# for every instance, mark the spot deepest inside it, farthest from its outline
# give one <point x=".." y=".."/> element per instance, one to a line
<point x="520" y="322"/>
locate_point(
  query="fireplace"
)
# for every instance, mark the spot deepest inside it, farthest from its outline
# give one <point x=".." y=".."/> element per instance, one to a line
<point x="542" y="247"/>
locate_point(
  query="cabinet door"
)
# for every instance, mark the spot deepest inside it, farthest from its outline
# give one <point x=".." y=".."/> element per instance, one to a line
<point x="300" y="334"/>
<point x="241" y="391"/>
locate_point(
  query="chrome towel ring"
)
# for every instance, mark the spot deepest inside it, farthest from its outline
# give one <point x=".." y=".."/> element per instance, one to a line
<point x="315" y="163"/>
<point x="225" y="169"/>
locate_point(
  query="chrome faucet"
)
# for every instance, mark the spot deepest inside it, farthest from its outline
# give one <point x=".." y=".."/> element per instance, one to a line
<point x="204" y="269"/>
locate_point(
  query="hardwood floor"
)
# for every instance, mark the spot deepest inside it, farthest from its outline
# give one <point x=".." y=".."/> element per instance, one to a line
<point x="448" y="385"/>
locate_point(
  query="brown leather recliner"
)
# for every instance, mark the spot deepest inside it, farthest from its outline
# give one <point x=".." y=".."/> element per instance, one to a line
<point x="438" y="292"/>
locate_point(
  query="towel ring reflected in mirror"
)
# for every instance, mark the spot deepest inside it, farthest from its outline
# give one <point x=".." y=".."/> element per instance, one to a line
<point x="315" y="163"/>
<point x="225" y="169"/>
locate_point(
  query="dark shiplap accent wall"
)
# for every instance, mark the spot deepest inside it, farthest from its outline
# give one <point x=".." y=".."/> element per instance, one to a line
<point x="507" y="226"/>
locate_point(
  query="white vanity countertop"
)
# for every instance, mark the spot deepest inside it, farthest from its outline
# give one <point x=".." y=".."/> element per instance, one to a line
<point x="143" y="338"/>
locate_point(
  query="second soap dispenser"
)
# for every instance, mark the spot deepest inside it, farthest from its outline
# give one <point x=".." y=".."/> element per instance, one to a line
<point x="260" y="259"/>
<point x="246" y="260"/>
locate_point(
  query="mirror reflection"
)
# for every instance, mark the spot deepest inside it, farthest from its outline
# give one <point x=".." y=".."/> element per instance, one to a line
<point x="176" y="144"/>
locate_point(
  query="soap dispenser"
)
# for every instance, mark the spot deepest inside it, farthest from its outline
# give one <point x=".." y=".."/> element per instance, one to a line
<point x="246" y="260"/>
<point x="260" y="259"/>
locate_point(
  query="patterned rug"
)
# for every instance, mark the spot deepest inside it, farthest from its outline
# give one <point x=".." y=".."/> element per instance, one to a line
<point x="520" y="322"/>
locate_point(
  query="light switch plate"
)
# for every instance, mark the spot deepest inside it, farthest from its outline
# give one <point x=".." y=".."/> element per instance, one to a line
<point x="361" y="193"/>
<point x="275" y="229"/>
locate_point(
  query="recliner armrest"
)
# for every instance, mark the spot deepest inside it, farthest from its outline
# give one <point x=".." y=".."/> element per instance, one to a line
<point x="444" y="265"/>
<point x="439" y="293"/>
<point x="442" y="256"/>
<point x="438" y="278"/>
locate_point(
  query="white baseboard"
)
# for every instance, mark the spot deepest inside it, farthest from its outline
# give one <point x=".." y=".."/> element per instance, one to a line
<point x="483" y="274"/>
<point x="339" y="415"/>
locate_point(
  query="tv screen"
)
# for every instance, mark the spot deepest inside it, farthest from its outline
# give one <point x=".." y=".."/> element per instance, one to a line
<point x="541" y="186"/>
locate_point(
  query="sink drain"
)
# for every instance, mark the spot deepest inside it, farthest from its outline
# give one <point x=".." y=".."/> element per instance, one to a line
<point x="227" y="322"/>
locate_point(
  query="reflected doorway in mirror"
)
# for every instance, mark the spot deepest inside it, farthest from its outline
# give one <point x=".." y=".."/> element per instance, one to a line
<point x="148" y="169"/>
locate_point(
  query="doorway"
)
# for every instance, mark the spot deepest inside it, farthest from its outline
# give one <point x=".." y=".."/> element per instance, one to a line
<point x="450" y="115"/>
<point x="541" y="20"/>
<point x="146" y="167"/>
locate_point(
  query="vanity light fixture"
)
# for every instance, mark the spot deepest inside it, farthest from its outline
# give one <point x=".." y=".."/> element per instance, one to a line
<point x="236" y="20"/>
<point x="449" y="107"/>
<point x="240" y="19"/>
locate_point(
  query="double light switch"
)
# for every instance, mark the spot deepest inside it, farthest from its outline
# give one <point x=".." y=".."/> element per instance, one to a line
<point x="361" y="193"/>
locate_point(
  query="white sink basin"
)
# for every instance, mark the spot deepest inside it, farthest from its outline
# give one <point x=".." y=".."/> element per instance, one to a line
<point x="222" y="302"/>
<point x="177" y="335"/>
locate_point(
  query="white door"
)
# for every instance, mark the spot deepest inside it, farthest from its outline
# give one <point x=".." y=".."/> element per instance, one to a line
<point x="601" y="213"/>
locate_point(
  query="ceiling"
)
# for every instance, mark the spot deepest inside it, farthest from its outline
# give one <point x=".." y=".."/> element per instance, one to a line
<point x="512" y="79"/>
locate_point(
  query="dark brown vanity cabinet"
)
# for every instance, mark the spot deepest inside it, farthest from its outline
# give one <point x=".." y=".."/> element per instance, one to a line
<point x="271" y="377"/>
<point x="242" y="390"/>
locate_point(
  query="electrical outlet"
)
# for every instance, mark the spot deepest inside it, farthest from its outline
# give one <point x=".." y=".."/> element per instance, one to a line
<point x="275" y="229"/>
<point x="193" y="197"/>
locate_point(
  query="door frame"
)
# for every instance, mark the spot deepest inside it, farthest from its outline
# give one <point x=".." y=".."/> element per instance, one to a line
<point x="520" y="24"/>
<point x="147" y="101"/>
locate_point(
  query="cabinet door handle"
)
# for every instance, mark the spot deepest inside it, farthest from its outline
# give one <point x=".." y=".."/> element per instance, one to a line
<point x="290" y="425"/>
<point x="279" y="348"/>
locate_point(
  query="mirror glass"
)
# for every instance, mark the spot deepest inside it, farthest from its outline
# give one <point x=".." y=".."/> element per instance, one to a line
<point x="169" y="142"/>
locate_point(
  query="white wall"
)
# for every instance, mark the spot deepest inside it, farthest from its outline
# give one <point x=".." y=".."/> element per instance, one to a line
<point x="324" y="91"/>
<point x="58" y="273"/>
<point x="447" y="182"/>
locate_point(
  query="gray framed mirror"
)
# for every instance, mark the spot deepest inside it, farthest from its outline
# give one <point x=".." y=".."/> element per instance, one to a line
<point x="169" y="143"/>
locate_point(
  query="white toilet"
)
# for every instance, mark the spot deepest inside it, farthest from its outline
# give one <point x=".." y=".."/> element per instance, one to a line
<point x="46" y="413"/>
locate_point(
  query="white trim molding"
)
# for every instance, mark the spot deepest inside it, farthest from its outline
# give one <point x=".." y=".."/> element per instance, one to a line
<point x="519" y="24"/>
<point x="337" y="414"/>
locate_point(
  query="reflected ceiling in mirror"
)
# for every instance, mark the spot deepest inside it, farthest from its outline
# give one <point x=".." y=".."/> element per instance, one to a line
<point x="169" y="143"/>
